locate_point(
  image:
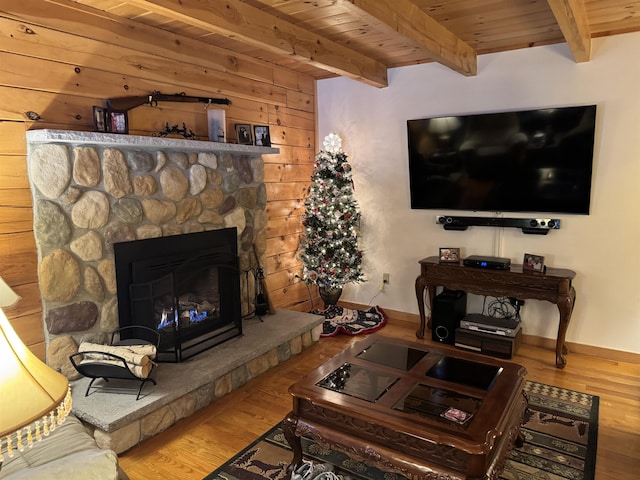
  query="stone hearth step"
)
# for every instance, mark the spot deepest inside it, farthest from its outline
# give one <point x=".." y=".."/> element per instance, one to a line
<point x="119" y="422"/>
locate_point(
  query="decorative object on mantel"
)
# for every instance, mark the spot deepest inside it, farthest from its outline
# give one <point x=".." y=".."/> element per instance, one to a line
<point x="329" y="246"/>
<point x="351" y="322"/>
<point x="128" y="103"/>
<point x="216" y="121"/>
<point x="175" y="132"/>
<point x="35" y="398"/>
<point x="31" y="115"/>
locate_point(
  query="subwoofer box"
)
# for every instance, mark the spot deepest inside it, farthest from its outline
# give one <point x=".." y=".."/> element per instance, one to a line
<point x="449" y="307"/>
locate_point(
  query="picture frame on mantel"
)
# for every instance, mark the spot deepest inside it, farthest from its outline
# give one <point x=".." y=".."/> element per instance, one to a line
<point x="262" y="136"/>
<point x="243" y="134"/>
<point x="110" y="121"/>
<point x="100" y="119"/>
<point x="117" y="121"/>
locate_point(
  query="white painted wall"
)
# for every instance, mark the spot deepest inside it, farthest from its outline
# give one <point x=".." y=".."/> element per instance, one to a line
<point x="603" y="247"/>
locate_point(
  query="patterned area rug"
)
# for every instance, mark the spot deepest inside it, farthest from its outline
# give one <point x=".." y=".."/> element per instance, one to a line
<point x="560" y="429"/>
<point x="351" y="322"/>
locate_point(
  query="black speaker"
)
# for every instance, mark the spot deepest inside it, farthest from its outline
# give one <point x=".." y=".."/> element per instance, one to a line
<point x="449" y="307"/>
<point x="536" y="226"/>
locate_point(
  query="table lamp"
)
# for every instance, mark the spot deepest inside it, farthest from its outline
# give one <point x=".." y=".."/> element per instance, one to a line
<point x="34" y="398"/>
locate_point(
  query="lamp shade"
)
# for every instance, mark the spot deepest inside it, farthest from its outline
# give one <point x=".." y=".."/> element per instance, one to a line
<point x="33" y="396"/>
<point x="8" y="298"/>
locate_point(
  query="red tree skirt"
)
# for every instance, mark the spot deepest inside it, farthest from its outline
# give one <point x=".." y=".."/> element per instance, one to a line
<point x="351" y="322"/>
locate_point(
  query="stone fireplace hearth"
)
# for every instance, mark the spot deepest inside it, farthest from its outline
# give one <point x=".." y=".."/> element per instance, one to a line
<point x="119" y="421"/>
<point x="93" y="190"/>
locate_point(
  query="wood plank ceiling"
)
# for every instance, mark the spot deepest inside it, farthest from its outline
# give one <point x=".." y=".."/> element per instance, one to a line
<point x="361" y="39"/>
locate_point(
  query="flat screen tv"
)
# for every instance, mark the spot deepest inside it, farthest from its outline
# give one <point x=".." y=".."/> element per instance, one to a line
<point x="520" y="161"/>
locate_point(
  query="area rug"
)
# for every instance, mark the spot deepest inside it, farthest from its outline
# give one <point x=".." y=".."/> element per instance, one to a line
<point x="351" y="322"/>
<point x="560" y="430"/>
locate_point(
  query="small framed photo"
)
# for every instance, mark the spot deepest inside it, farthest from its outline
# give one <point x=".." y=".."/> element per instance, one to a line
<point x="117" y="121"/>
<point x="261" y="135"/>
<point x="100" y="119"/>
<point x="534" y="263"/>
<point x="456" y="415"/>
<point x="449" y="255"/>
<point x="243" y="134"/>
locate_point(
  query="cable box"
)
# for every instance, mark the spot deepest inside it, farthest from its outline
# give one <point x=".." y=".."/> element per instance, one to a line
<point x="491" y="263"/>
<point x="507" y="327"/>
<point x="487" y="343"/>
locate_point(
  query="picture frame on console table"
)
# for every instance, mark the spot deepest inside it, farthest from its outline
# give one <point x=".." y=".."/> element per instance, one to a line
<point x="449" y="255"/>
<point x="533" y="263"/>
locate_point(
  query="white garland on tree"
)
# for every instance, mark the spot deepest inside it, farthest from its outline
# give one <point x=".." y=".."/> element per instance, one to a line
<point x="329" y="247"/>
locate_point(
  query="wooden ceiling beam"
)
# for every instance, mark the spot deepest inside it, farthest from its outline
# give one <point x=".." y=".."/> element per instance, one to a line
<point x="237" y="20"/>
<point x="572" y="19"/>
<point x="406" y="18"/>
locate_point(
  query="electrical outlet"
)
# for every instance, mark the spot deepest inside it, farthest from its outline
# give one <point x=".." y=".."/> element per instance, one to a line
<point x="385" y="279"/>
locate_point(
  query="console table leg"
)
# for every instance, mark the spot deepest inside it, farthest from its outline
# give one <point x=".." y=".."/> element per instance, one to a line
<point x="565" y="307"/>
<point x="421" y="284"/>
<point x="289" y="429"/>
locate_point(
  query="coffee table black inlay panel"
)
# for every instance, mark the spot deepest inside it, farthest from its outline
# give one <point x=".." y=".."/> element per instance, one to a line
<point x="391" y="355"/>
<point x="465" y="372"/>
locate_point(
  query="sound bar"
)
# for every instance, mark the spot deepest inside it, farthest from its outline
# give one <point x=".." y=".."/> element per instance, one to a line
<point x="535" y="226"/>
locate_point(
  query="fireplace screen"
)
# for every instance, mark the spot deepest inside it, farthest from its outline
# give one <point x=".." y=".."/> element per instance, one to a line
<point x="191" y="296"/>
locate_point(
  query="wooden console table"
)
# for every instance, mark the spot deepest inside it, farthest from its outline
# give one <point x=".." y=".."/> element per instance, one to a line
<point x="553" y="286"/>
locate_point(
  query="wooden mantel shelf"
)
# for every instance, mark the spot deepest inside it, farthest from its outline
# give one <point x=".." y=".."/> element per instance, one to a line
<point x="142" y="142"/>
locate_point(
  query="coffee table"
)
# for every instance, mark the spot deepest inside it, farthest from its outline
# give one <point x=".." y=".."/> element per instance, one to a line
<point x="405" y="407"/>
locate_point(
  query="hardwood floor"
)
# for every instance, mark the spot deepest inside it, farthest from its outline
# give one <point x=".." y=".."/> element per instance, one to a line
<point x="197" y="445"/>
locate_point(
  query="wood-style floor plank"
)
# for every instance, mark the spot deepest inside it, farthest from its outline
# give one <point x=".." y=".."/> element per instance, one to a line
<point x="197" y="445"/>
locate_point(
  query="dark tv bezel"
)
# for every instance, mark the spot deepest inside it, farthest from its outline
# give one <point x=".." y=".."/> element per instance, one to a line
<point x="546" y="211"/>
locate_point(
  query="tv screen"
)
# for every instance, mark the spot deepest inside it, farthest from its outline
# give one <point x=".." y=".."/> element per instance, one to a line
<point x="523" y="161"/>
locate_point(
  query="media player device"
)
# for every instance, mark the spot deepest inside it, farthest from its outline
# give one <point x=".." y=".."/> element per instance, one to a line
<point x="491" y="263"/>
<point x="507" y="327"/>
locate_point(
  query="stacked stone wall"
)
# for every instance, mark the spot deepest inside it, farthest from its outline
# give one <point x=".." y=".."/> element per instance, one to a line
<point x="86" y="198"/>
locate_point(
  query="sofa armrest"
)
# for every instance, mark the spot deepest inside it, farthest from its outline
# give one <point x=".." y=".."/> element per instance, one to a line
<point x="68" y="453"/>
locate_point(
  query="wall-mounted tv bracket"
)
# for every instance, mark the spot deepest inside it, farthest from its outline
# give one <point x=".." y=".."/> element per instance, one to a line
<point x="536" y="226"/>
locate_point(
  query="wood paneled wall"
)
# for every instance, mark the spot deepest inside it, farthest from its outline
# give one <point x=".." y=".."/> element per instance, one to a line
<point x="58" y="59"/>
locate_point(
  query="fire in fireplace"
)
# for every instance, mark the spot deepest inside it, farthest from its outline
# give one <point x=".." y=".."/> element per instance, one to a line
<point x="185" y="286"/>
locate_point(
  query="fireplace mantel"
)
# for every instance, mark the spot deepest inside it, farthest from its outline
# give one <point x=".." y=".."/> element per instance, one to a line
<point x="141" y="142"/>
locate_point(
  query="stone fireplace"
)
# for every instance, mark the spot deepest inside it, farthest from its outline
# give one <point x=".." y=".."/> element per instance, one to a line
<point x="95" y="192"/>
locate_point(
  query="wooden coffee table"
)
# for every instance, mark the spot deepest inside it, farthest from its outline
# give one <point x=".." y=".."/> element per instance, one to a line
<point x="405" y="407"/>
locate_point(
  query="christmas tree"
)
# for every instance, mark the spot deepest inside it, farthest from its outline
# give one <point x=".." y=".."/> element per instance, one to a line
<point x="329" y="247"/>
